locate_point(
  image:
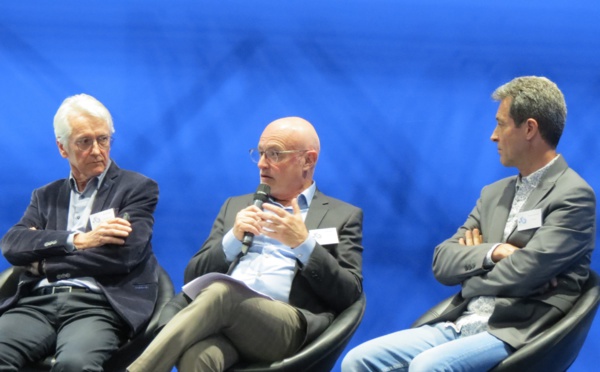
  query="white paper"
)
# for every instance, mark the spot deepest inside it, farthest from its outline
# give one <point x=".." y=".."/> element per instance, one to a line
<point x="193" y="288"/>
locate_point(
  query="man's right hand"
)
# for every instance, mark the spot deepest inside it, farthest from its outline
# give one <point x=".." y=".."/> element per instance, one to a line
<point x="247" y="220"/>
<point x="113" y="231"/>
<point x="502" y="251"/>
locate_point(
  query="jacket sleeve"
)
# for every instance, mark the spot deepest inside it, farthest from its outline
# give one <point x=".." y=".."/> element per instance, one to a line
<point x="453" y="262"/>
<point x="334" y="272"/>
<point x="210" y="257"/>
<point x="22" y="245"/>
<point x="566" y="236"/>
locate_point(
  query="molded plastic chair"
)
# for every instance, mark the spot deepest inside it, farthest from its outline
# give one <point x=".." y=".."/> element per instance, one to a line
<point x="555" y="349"/>
<point x="321" y="354"/>
<point x="127" y="353"/>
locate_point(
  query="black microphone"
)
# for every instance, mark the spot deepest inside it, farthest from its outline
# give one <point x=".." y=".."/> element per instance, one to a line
<point x="260" y="196"/>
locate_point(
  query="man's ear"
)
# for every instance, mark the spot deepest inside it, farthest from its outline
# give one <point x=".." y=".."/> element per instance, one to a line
<point x="61" y="150"/>
<point x="310" y="158"/>
<point x="532" y="128"/>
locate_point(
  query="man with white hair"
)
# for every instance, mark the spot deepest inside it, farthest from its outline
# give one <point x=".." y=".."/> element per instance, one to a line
<point x="88" y="274"/>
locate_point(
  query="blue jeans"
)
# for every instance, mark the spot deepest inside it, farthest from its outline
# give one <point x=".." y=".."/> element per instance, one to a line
<point x="425" y="349"/>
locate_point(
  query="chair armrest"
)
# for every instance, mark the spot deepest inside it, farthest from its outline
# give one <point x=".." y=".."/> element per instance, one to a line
<point x="432" y="313"/>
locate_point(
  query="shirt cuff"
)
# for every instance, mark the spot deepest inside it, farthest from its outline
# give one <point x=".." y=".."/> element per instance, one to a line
<point x="488" y="263"/>
<point x="304" y="250"/>
<point x="231" y="246"/>
<point x="70" y="245"/>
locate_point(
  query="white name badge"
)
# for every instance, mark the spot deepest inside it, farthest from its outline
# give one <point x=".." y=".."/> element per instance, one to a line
<point x="529" y="219"/>
<point x="325" y="236"/>
<point x="97" y="218"/>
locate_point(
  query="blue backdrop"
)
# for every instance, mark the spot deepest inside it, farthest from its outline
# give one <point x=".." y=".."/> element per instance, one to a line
<point x="398" y="90"/>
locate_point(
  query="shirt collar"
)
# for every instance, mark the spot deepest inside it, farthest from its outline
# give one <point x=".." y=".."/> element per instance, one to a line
<point x="98" y="178"/>
<point x="533" y="180"/>
<point x="304" y="198"/>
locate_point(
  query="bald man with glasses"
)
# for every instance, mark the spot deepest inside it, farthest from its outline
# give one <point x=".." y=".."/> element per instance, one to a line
<point x="302" y="268"/>
<point x="88" y="274"/>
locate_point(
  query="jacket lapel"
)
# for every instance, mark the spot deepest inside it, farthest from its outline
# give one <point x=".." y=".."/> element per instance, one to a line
<point x="62" y="213"/>
<point x="547" y="182"/>
<point x="501" y="211"/>
<point x="316" y="211"/>
<point x="102" y="196"/>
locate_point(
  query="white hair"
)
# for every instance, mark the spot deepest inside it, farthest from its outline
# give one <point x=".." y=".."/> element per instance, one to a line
<point x="78" y="104"/>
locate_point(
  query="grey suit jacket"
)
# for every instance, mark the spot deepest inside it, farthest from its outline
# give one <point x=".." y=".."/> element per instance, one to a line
<point x="560" y="248"/>
<point x="330" y="281"/>
<point x="126" y="274"/>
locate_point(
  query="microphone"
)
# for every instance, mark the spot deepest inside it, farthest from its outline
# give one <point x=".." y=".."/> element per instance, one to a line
<point x="261" y="196"/>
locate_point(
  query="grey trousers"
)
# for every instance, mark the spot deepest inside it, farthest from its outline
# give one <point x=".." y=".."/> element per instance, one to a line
<point x="225" y="323"/>
<point x="81" y="328"/>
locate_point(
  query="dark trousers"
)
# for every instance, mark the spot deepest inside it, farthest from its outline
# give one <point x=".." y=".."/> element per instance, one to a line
<point x="81" y="329"/>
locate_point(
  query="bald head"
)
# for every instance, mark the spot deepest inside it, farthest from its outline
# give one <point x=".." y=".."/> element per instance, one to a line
<point x="297" y="133"/>
<point x="297" y="146"/>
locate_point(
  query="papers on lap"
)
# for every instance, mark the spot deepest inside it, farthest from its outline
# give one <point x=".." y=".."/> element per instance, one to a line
<point x="193" y="288"/>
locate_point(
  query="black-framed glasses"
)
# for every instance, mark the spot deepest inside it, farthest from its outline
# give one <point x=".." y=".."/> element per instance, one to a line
<point x="86" y="143"/>
<point x="273" y="156"/>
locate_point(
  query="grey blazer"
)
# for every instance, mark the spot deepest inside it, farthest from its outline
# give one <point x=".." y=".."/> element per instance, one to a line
<point x="560" y="248"/>
<point x="126" y="274"/>
<point x="330" y="281"/>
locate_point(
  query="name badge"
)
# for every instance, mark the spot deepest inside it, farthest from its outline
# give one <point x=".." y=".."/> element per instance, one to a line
<point x="529" y="219"/>
<point x="97" y="218"/>
<point x="325" y="236"/>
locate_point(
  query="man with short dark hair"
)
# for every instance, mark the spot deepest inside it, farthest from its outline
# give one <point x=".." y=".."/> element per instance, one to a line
<point x="521" y="258"/>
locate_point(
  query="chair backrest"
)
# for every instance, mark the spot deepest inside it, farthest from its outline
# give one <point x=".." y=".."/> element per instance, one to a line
<point x="556" y="348"/>
<point x="9" y="280"/>
<point x="323" y="352"/>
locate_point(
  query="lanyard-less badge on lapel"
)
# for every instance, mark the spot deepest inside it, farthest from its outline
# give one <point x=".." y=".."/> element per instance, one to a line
<point x="529" y="219"/>
<point x="97" y="218"/>
<point x="325" y="236"/>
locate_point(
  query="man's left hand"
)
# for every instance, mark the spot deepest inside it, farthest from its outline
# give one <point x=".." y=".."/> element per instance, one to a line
<point x="471" y="238"/>
<point x="287" y="228"/>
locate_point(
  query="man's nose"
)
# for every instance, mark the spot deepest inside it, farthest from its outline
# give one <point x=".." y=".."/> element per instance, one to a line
<point x="262" y="161"/>
<point x="494" y="136"/>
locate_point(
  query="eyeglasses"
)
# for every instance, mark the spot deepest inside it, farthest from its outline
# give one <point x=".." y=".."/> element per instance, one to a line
<point x="272" y="155"/>
<point x="86" y="143"/>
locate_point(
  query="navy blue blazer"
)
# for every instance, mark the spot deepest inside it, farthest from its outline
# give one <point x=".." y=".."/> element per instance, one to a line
<point x="126" y="274"/>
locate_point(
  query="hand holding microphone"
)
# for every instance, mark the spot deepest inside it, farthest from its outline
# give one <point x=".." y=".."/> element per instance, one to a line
<point x="247" y="220"/>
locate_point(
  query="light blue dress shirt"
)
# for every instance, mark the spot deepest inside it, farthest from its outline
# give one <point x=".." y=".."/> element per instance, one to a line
<point x="269" y="266"/>
<point x="80" y="208"/>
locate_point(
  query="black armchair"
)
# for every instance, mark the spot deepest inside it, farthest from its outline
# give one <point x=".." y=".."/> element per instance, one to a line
<point x="557" y="348"/>
<point x="127" y="353"/>
<point x="321" y="354"/>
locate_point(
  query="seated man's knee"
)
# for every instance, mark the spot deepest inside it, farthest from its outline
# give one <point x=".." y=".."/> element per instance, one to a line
<point x="353" y="361"/>
<point x="358" y="360"/>
<point x="76" y="363"/>
<point x="425" y="363"/>
<point x="212" y="354"/>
